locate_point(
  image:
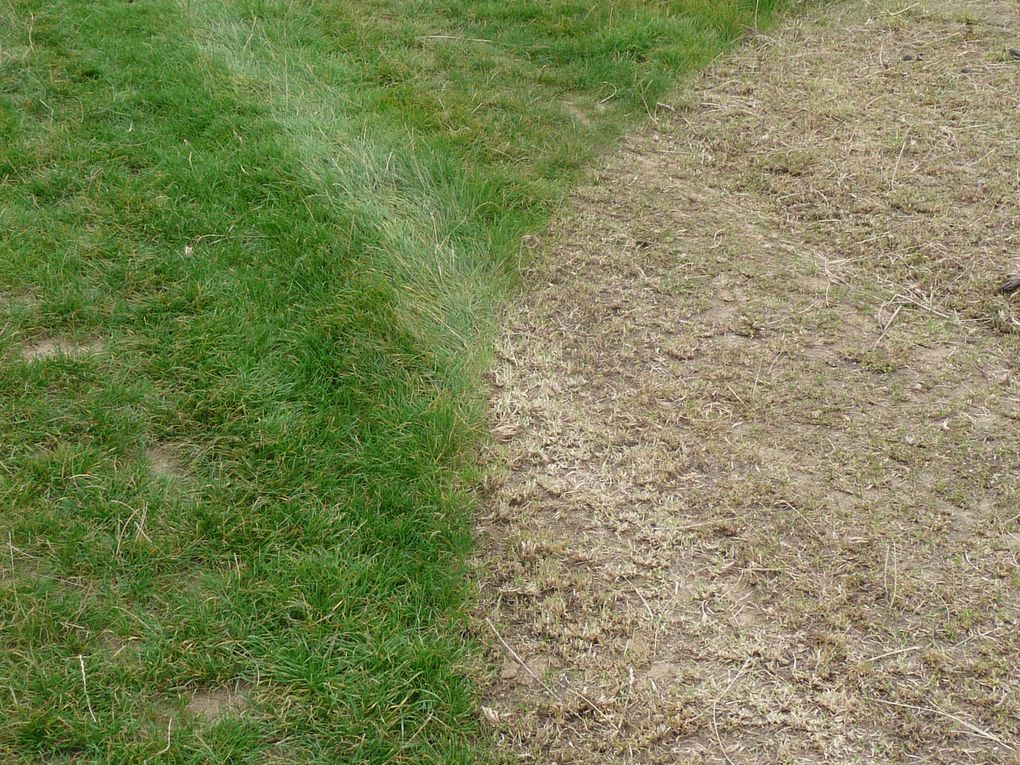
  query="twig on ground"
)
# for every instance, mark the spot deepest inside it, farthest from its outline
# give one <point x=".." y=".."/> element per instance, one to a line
<point x="901" y="10"/>
<point x="519" y="660"/>
<point x="85" y="687"/>
<point x="166" y="748"/>
<point x="896" y="168"/>
<point x="552" y="692"/>
<point x="981" y="732"/>
<point x="888" y="324"/>
<point x="715" y="705"/>
<point x="887" y="654"/>
<point x="455" y="38"/>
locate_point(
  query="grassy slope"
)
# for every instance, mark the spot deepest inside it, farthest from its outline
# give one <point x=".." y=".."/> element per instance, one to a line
<point x="287" y="224"/>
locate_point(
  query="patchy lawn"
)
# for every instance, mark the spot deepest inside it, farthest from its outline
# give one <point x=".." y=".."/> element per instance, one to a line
<point x="756" y="491"/>
<point x="250" y="252"/>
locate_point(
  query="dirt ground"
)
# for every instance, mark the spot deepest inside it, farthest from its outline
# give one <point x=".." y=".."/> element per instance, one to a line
<point x="755" y="492"/>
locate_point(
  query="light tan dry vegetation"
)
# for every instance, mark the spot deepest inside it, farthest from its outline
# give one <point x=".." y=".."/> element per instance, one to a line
<point x="756" y="484"/>
<point x="211" y="704"/>
<point x="57" y="347"/>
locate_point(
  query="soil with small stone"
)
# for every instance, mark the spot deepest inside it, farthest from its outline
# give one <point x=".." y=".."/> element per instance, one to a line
<point x="755" y="479"/>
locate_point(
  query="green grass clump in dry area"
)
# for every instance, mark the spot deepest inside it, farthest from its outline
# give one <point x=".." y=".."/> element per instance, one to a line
<point x="249" y="252"/>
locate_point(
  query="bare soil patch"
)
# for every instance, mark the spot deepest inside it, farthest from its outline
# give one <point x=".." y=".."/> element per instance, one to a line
<point x="164" y="461"/>
<point x="55" y="346"/>
<point x="756" y="480"/>
<point x="24" y="301"/>
<point x="214" y="703"/>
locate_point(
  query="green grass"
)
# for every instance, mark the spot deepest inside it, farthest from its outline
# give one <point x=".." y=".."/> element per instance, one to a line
<point x="287" y="223"/>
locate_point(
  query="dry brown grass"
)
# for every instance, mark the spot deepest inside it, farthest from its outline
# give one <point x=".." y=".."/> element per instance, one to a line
<point x="756" y="485"/>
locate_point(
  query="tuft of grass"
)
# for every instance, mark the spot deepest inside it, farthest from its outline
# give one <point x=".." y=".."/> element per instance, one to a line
<point x="249" y="257"/>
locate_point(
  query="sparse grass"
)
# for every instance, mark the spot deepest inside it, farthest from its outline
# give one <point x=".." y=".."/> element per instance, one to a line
<point x="756" y="497"/>
<point x="250" y="250"/>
